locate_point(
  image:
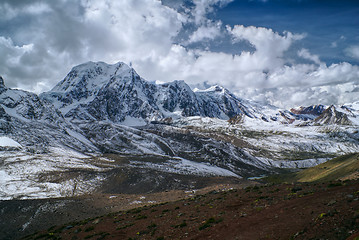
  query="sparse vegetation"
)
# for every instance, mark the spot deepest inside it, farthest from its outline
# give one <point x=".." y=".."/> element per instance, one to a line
<point x="320" y="207"/>
<point x="336" y="169"/>
<point x="89" y="229"/>
<point x="209" y="222"/>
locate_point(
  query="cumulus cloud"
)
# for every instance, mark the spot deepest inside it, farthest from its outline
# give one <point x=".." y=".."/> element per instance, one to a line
<point x="40" y="49"/>
<point x="74" y="32"/>
<point x="270" y="46"/>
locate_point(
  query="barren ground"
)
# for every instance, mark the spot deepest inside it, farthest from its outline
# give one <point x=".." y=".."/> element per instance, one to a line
<point x="280" y="211"/>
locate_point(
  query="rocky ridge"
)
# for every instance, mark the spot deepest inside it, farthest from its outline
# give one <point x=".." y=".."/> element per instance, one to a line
<point x="110" y="123"/>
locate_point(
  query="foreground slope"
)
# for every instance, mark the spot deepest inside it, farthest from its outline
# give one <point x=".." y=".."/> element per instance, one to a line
<point x="301" y="211"/>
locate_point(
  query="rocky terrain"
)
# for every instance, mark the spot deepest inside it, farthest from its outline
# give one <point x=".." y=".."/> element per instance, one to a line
<point x="104" y="131"/>
<point x="284" y="211"/>
<point x="104" y="121"/>
<point x="319" y="202"/>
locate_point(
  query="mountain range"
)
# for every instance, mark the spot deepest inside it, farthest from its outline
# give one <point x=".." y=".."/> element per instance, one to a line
<point x="104" y="128"/>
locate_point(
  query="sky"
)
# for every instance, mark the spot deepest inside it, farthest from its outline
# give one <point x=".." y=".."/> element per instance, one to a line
<point x="282" y="52"/>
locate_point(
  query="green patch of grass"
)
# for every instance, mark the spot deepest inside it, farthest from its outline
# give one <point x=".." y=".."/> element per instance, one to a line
<point x="181" y="225"/>
<point x="48" y="236"/>
<point x="335" y="184"/>
<point x="209" y="222"/>
<point x="320" y="216"/>
<point x="143" y="232"/>
<point x="139" y="217"/>
<point x="89" y="229"/>
<point x="101" y="235"/>
<point x="258" y="209"/>
<point x="153" y="225"/>
<point x="125" y="226"/>
<point x="134" y="211"/>
<point x="51" y="228"/>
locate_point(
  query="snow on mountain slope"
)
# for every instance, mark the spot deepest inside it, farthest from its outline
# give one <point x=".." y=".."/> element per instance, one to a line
<point x="8" y="142"/>
<point x="116" y="93"/>
<point x="35" y="124"/>
<point x="24" y="175"/>
<point x="331" y="115"/>
<point x="279" y="145"/>
<point x="97" y="91"/>
<point x="104" y="126"/>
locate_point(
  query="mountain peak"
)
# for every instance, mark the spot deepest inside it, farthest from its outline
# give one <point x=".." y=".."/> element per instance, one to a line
<point x="314" y="110"/>
<point x="92" y="76"/>
<point x="100" y="91"/>
<point x="2" y="84"/>
<point x="331" y="115"/>
<point x="214" y="88"/>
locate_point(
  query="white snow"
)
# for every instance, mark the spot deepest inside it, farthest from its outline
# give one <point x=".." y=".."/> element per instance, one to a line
<point x="20" y="172"/>
<point x="79" y="137"/>
<point x="133" y="122"/>
<point x="8" y="142"/>
<point x="13" y="113"/>
<point x="305" y="163"/>
<point x="184" y="166"/>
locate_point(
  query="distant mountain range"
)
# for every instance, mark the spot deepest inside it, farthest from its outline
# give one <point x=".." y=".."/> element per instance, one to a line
<point x="116" y="93"/>
<point x="99" y="111"/>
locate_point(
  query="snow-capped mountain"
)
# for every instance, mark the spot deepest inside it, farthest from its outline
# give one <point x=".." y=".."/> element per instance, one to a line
<point x="332" y="116"/>
<point x="116" y="93"/>
<point x="105" y="122"/>
<point x="35" y="123"/>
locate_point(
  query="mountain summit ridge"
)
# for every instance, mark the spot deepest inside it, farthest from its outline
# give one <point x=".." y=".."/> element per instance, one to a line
<point x="99" y="91"/>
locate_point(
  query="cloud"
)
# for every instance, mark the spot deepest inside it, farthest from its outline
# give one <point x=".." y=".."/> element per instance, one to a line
<point x="305" y="84"/>
<point x="46" y="38"/>
<point x="8" y="12"/>
<point x="270" y="46"/>
<point x="206" y="32"/>
<point x="72" y="32"/>
<point x="287" y="97"/>
<point x="304" y="53"/>
<point x="352" y="51"/>
<point x="203" y="7"/>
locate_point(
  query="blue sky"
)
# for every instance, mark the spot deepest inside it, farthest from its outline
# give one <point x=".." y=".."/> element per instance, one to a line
<point x="284" y="53"/>
<point x="330" y="25"/>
